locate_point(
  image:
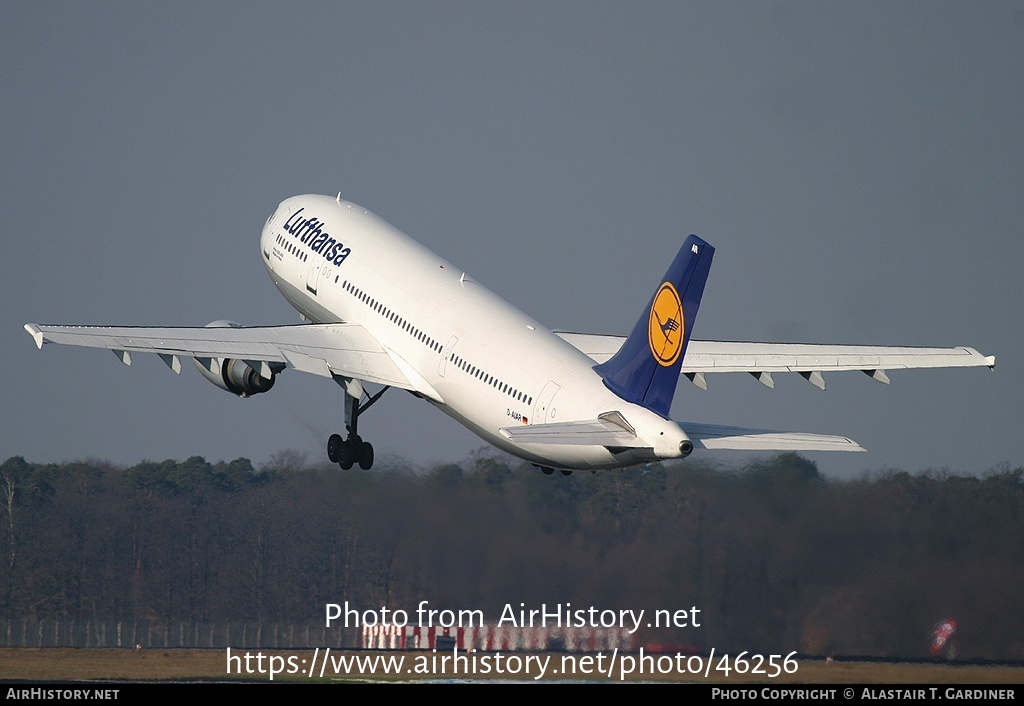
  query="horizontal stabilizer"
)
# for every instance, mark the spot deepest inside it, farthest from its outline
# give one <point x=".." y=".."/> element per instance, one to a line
<point x="594" y="432"/>
<point x="715" y="437"/>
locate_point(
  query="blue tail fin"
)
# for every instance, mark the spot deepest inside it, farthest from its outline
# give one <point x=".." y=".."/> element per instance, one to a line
<point x="645" y="370"/>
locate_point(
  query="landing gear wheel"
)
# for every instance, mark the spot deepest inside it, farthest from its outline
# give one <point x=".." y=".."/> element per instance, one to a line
<point x="348" y="456"/>
<point x="566" y="473"/>
<point x="366" y="455"/>
<point x="546" y="471"/>
<point x="334" y="446"/>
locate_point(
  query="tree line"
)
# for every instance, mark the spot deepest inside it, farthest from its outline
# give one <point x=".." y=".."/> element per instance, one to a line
<point x="775" y="557"/>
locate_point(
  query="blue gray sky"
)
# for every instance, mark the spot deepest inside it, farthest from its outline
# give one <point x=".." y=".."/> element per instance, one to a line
<point x="858" y="166"/>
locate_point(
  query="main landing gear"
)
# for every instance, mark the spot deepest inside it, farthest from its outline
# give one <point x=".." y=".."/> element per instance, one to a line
<point x="349" y="451"/>
<point x="547" y="470"/>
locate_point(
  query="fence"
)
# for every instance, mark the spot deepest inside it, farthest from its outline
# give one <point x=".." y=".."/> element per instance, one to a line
<point x="55" y="632"/>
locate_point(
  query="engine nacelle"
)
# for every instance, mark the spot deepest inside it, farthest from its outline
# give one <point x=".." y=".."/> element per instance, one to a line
<point x="235" y="376"/>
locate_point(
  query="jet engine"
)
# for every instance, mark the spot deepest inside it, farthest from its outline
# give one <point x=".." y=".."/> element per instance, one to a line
<point x="236" y="376"/>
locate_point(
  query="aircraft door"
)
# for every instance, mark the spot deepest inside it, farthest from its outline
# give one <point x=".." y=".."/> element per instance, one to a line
<point x="446" y="353"/>
<point x="313" y="276"/>
<point x="544" y="410"/>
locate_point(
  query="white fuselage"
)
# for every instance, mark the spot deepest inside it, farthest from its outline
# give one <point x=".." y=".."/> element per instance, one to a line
<point x="478" y="358"/>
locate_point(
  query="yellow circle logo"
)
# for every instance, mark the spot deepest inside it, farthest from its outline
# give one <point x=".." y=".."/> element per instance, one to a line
<point x="665" y="330"/>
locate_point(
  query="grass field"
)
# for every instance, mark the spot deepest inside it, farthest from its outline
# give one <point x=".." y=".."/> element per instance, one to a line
<point x="149" y="665"/>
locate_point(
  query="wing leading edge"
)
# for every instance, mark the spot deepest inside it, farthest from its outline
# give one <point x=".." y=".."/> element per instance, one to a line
<point x="328" y="350"/>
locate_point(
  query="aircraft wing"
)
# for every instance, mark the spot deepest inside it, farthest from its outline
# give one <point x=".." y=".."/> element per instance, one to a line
<point x="322" y="349"/>
<point x="715" y="437"/>
<point x="808" y="359"/>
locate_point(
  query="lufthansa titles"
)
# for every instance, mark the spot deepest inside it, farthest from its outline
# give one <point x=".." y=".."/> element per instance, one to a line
<point x="310" y="232"/>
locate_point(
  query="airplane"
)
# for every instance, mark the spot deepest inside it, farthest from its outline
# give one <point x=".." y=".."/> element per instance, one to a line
<point x="378" y="307"/>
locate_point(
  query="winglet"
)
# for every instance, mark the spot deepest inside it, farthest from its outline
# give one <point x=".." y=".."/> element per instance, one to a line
<point x="37" y="334"/>
<point x="645" y="370"/>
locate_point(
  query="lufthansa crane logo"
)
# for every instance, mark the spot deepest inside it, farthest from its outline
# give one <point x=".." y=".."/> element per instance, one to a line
<point x="665" y="330"/>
